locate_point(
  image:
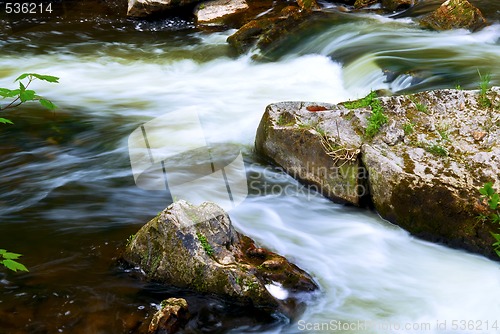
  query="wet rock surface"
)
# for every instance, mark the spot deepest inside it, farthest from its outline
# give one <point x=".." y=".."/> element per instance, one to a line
<point x="422" y="171"/>
<point x="197" y="248"/>
<point x="455" y="14"/>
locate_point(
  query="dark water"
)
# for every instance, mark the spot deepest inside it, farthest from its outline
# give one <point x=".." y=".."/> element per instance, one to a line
<point x="68" y="200"/>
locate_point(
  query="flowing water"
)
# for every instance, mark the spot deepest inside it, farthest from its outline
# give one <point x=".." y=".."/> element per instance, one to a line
<point x="68" y="200"/>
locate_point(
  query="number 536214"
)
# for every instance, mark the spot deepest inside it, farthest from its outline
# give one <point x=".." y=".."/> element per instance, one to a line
<point x="27" y="8"/>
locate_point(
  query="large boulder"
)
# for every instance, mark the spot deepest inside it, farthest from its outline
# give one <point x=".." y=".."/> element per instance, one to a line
<point x="197" y="248"/>
<point x="454" y="14"/>
<point x="422" y="170"/>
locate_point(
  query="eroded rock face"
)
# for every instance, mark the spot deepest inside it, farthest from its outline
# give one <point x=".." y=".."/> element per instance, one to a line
<point x="316" y="144"/>
<point x="423" y="168"/>
<point x="196" y="247"/>
<point x="455" y="14"/>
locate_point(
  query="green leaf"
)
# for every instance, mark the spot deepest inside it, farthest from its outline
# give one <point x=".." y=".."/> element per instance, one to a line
<point x="487" y="189"/>
<point x="11" y="256"/>
<point x="5" y="121"/>
<point x="22" y="88"/>
<point x="495" y="218"/>
<point x="493" y="201"/>
<point x="497" y="251"/>
<point x="14" y="265"/>
<point x="48" y="78"/>
<point x="27" y="95"/>
<point x="47" y="104"/>
<point x="4" y="92"/>
<point x="22" y="76"/>
<point x="496" y="236"/>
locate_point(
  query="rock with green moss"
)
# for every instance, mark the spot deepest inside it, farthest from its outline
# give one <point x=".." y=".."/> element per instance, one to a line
<point x="454" y="14"/>
<point x="267" y="32"/>
<point x="197" y="248"/>
<point x="172" y="316"/>
<point x="421" y="170"/>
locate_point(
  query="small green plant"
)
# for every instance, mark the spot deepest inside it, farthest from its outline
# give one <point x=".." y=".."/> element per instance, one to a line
<point x="458" y="87"/>
<point x="362" y="103"/>
<point x="130" y="239"/>
<point x="23" y="94"/>
<point x="443" y="132"/>
<point x="8" y="261"/>
<point x="320" y="131"/>
<point x="408" y="128"/>
<point x="204" y="243"/>
<point x="376" y="119"/>
<point x="422" y="107"/>
<point x="484" y="85"/>
<point x="493" y="199"/>
<point x="437" y="150"/>
<point x="419" y="106"/>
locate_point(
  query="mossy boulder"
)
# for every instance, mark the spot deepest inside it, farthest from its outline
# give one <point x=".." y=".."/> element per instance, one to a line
<point x="454" y="14"/>
<point x="197" y="248"/>
<point x="267" y="32"/>
<point x="422" y="171"/>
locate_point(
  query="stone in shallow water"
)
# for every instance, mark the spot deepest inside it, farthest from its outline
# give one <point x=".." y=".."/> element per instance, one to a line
<point x="197" y="248"/>
<point x="455" y="14"/>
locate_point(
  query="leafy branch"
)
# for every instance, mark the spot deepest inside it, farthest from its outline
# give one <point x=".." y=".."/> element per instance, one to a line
<point x="493" y="199"/>
<point x="23" y="94"/>
<point x="9" y="261"/>
<point x="20" y="96"/>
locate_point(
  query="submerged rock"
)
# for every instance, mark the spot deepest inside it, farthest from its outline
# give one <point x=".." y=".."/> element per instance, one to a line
<point x="197" y="247"/>
<point x="422" y="171"/>
<point x="454" y="14"/>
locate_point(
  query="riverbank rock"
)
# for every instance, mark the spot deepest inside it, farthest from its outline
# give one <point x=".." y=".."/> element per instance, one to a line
<point x="217" y="11"/>
<point x="197" y="248"/>
<point x="172" y="316"/>
<point x="145" y="8"/>
<point x="421" y="171"/>
<point x="454" y="14"/>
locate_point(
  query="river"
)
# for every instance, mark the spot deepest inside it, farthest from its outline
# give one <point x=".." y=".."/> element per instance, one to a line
<point x="68" y="200"/>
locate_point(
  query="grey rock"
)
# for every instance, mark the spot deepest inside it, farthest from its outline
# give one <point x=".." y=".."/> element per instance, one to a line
<point x="426" y="181"/>
<point x="197" y="247"/>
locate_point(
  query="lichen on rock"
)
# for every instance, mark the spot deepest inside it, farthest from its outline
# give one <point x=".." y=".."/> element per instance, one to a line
<point x="197" y="248"/>
<point x="425" y="180"/>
